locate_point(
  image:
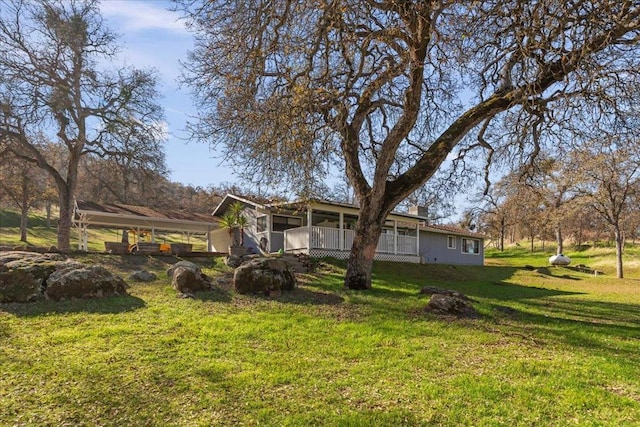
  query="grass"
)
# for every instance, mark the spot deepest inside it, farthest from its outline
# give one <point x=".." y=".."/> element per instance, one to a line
<point x="553" y="347"/>
<point x="41" y="236"/>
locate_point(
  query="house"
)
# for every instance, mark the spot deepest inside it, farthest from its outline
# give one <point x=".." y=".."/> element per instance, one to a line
<point x="443" y="244"/>
<point x="321" y="228"/>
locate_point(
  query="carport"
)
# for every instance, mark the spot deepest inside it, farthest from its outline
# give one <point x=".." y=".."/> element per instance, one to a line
<point x="117" y="216"/>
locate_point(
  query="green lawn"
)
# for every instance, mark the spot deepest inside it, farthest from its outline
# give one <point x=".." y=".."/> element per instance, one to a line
<point x="554" y="346"/>
<point x="39" y="235"/>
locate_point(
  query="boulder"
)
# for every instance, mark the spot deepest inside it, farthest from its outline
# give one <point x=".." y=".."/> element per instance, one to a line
<point x="267" y="276"/>
<point x="83" y="281"/>
<point x="448" y="305"/>
<point x="185" y="264"/>
<point x="142" y="276"/>
<point x="232" y="261"/>
<point x="23" y="275"/>
<point x="433" y="290"/>
<point x="187" y="278"/>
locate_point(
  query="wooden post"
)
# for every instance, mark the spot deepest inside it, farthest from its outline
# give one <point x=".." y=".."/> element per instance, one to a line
<point x="341" y="235"/>
<point x="395" y="237"/>
<point x="309" y="227"/>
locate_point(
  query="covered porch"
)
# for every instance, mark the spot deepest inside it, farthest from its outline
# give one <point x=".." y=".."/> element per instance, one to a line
<point x="328" y="230"/>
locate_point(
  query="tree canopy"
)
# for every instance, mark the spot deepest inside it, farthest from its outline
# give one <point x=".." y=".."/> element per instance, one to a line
<point x="385" y="90"/>
<point x="55" y="89"/>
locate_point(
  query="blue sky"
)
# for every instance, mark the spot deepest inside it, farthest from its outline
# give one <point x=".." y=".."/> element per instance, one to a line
<point x="152" y="36"/>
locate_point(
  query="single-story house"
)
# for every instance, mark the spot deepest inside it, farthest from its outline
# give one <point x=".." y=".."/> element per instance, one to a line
<point x="322" y="228"/>
<point x="443" y="244"/>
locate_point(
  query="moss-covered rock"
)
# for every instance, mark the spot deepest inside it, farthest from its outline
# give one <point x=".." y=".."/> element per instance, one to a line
<point x="264" y="276"/>
<point x="23" y="274"/>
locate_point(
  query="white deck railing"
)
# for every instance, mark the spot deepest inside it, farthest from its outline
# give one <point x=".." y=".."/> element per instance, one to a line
<point x="296" y="238"/>
<point x="325" y="238"/>
<point x="407" y="245"/>
<point x="329" y="238"/>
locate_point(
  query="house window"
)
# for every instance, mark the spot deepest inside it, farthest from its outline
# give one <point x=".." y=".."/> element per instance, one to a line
<point x="261" y="224"/>
<point x="281" y="223"/>
<point x="471" y="246"/>
<point x="451" y="242"/>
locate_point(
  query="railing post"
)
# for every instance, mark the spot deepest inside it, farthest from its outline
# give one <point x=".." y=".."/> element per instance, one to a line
<point x="341" y="235"/>
<point x="395" y="237"/>
<point x="309" y="227"/>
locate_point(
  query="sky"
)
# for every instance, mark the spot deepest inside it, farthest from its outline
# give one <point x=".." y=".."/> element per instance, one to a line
<point x="152" y="36"/>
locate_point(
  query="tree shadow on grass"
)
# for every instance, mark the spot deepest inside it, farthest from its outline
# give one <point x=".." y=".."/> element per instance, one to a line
<point x="596" y="326"/>
<point x="106" y="305"/>
<point x="299" y="296"/>
<point x="505" y="291"/>
<point x="306" y="296"/>
<point x="215" y="295"/>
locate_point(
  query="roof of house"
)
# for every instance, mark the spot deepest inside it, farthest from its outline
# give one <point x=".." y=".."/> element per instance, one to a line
<point x="450" y="229"/>
<point x="231" y="198"/>
<point x="121" y="215"/>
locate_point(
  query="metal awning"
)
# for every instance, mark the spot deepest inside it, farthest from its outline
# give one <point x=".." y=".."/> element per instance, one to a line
<point x="136" y="217"/>
<point x="114" y="220"/>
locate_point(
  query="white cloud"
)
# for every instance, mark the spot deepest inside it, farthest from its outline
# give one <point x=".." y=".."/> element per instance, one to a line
<point x="134" y="15"/>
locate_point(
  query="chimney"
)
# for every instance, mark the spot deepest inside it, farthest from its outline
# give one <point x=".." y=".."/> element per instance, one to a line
<point x="419" y="211"/>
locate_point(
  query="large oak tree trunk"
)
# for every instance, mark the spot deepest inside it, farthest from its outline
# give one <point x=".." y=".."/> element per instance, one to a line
<point x="365" y="242"/>
<point x="64" y="222"/>
<point x="67" y="190"/>
<point x="24" y="216"/>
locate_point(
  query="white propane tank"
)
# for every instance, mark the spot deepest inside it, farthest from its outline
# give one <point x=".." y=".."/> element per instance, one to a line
<point x="559" y="259"/>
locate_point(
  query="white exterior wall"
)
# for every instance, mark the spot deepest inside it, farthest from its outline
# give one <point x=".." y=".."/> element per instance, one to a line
<point x="251" y="235"/>
<point x="219" y="240"/>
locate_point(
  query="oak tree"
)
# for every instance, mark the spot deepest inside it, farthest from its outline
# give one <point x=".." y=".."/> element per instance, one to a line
<point x="388" y="89"/>
<point x="53" y="87"/>
<point x="609" y="179"/>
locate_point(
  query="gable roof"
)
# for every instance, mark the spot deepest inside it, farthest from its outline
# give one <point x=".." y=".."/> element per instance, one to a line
<point x="297" y="204"/>
<point x="230" y="199"/>
<point x="450" y="229"/>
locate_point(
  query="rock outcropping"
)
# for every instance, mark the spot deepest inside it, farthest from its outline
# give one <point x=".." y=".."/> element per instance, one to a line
<point x="265" y="275"/>
<point x="83" y="281"/>
<point x="446" y="302"/>
<point x="30" y="276"/>
<point x="187" y="278"/>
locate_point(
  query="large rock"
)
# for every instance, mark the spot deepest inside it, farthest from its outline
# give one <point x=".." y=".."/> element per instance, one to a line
<point x="433" y="290"/>
<point x="448" y="305"/>
<point x="23" y="275"/>
<point x="264" y="276"/>
<point x="187" y="277"/>
<point x="142" y="276"/>
<point x="83" y="281"/>
<point x="232" y="261"/>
